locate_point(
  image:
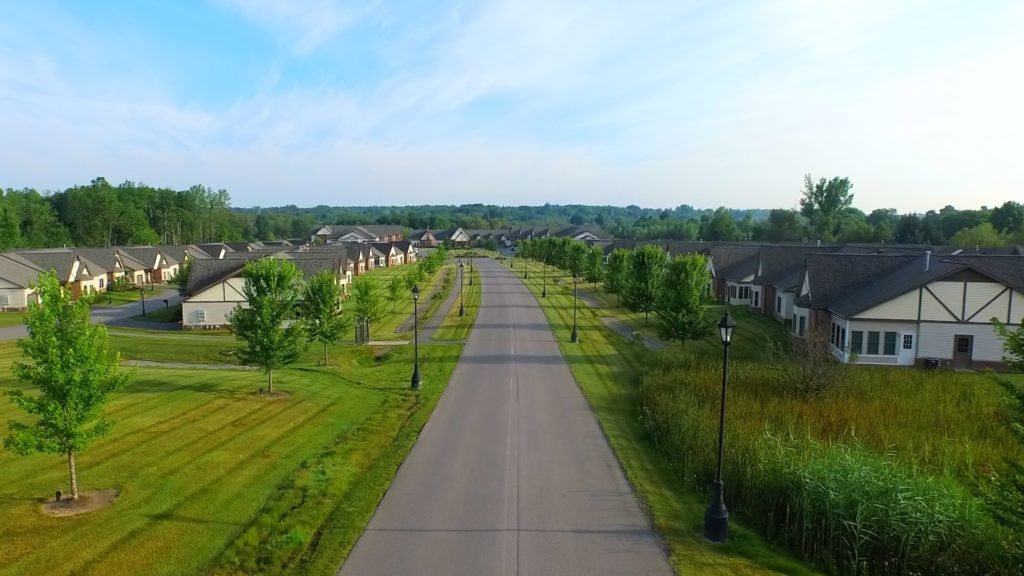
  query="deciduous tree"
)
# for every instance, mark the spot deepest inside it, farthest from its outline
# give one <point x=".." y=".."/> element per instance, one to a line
<point x="322" y="314"/>
<point x="823" y="202"/>
<point x="646" y="268"/>
<point x="615" y="272"/>
<point x="68" y="361"/>
<point x="683" y="300"/>
<point x="268" y="335"/>
<point x="366" y="300"/>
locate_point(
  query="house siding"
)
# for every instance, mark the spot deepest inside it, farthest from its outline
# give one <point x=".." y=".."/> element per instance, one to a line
<point x="900" y="308"/>
<point x="902" y="357"/>
<point x="936" y="340"/>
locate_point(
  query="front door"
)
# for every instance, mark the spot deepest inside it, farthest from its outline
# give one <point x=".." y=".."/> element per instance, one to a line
<point x="963" y="348"/>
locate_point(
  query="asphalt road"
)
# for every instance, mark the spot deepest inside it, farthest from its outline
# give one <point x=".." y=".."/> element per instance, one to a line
<point x="116" y="315"/>
<point x="511" y="474"/>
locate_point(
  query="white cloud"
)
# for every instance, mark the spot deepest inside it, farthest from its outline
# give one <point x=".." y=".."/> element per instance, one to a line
<point x="305" y="25"/>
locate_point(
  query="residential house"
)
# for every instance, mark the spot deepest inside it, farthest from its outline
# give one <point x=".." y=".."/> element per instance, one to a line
<point x="423" y="238"/>
<point x="160" y="267"/>
<point x="933" y="307"/>
<point x="77" y="273"/>
<point x="17" y="277"/>
<point x="216" y="287"/>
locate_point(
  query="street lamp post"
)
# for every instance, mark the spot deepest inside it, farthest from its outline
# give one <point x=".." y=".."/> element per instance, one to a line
<point x="470" y="269"/>
<point x="417" y="381"/>
<point x="142" y="294"/>
<point x="526" y="271"/>
<point x="716" y="518"/>
<point x="574" y="337"/>
<point x="462" y="286"/>
<point x="544" y="274"/>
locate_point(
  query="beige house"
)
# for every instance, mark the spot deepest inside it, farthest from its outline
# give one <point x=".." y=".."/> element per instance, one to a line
<point x="913" y="309"/>
<point x="16" y="280"/>
<point x="215" y="287"/>
<point x="75" y="272"/>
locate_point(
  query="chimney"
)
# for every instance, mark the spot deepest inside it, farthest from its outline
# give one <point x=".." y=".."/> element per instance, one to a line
<point x="927" y="260"/>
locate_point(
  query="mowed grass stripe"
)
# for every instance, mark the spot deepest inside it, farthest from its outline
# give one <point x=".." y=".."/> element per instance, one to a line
<point x="249" y="442"/>
<point x="207" y="503"/>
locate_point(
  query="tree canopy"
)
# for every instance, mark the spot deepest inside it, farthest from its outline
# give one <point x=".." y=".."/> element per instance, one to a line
<point x="69" y="363"/>
<point x="267" y="333"/>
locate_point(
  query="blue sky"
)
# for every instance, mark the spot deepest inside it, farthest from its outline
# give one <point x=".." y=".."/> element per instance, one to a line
<point x="519" y="101"/>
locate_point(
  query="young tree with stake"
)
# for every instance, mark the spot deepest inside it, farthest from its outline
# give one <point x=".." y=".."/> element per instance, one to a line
<point x="322" y="314"/>
<point x="268" y="336"/>
<point x="646" y="268"/>
<point x="366" y="300"/>
<point x="69" y="362"/>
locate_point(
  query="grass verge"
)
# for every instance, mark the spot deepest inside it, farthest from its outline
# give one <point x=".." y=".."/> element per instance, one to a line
<point x="455" y="327"/>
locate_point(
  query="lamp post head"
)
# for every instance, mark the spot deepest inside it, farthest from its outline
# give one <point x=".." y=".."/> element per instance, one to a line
<point x="726" y="327"/>
<point x="415" y="293"/>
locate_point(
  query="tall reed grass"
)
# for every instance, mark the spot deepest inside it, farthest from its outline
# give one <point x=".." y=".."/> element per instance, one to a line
<point x="878" y="476"/>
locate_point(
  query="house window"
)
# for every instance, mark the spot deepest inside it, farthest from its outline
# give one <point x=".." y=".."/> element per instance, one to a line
<point x="857" y="342"/>
<point x="963" y="345"/>
<point x="842" y="339"/>
<point x="101" y="282"/>
<point x="908" y="341"/>
<point x="732" y="291"/>
<point x="757" y="299"/>
<point x="802" y="326"/>
<point x="890" y="343"/>
<point x="778" y="304"/>
<point x="200" y="315"/>
<point x="5" y="301"/>
<point x="873" y="343"/>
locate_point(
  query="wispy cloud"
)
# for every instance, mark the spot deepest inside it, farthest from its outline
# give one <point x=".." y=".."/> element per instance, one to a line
<point x="658" y="104"/>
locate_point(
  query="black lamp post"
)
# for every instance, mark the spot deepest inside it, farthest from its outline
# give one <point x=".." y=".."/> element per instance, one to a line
<point x="142" y="293"/>
<point x="417" y="381"/>
<point x="574" y="337"/>
<point x="526" y="271"/>
<point x="716" y="518"/>
<point x="462" y="285"/>
<point x="470" y="269"/>
<point x="544" y="274"/>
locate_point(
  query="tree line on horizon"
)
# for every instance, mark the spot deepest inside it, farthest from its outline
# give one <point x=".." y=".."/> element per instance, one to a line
<point x="102" y="214"/>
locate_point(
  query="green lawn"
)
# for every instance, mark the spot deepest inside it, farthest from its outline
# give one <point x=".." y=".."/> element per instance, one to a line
<point x="214" y="478"/>
<point x="170" y="314"/>
<point x="12" y="318"/>
<point x="117" y="298"/>
<point x="399" y="311"/>
<point x="605" y="366"/>
<point x="455" y="327"/>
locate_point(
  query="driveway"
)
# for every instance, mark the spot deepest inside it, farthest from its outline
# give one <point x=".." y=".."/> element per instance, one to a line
<point x="511" y="474"/>
<point x="117" y="315"/>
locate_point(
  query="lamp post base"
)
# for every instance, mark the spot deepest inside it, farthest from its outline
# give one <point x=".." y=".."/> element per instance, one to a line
<point x="716" y="517"/>
<point x="544" y="292"/>
<point x="574" y="337"/>
<point x="462" y="310"/>
<point x="417" y="381"/>
<point x="526" y="275"/>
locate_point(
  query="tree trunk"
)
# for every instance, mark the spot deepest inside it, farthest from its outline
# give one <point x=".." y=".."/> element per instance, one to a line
<point x="325" y="353"/>
<point x="270" y="382"/>
<point x="74" y="475"/>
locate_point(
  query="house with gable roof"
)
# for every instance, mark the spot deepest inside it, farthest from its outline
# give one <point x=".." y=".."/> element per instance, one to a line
<point x="906" y="309"/>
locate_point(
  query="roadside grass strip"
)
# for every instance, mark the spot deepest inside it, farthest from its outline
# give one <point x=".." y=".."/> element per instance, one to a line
<point x="455" y="327"/>
<point x="214" y="478"/>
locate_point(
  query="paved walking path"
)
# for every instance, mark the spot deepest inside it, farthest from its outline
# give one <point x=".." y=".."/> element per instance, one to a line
<point x="427" y="332"/>
<point x="511" y="474"/>
<point x="618" y="326"/>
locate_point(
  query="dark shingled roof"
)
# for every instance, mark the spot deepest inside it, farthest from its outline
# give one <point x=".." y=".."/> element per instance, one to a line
<point x="734" y="262"/>
<point x="833" y="277"/>
<point x="206" y="273"/>
<point x="1007" y="269"/>
<point x="18" y="271"/>
<point x="778" y="263"/>
<point x="213" y="249"/>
